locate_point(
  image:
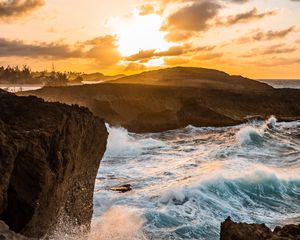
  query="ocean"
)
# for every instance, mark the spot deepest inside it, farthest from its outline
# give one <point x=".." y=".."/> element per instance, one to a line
<point x="14" y="88"/>
<point x="185" y="182"/>
<point x="283" y="83"/>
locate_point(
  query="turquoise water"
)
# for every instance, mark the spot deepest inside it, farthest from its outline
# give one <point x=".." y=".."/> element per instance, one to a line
<point x="187" y="181"/>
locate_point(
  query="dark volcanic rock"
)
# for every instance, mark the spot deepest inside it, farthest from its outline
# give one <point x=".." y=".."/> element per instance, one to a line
<point x="173" y="98"/>
<point x="49" y="157"/>
<point x="122" y="188"/>
<point x="243" y="231"/>
<point x="6" y="234"/>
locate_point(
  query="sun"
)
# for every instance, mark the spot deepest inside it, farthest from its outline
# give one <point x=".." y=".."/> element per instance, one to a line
<point x="138" y="33"/>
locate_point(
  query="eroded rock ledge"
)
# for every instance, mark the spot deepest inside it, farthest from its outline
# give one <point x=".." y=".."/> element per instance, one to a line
<point x="174" y="98"/>
<point x="49" y="157"/>
<point x="243" y="231"/>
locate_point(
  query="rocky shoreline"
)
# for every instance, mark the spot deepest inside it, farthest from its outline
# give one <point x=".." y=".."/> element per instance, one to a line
<point x="243" y="231"/>
<point x="174" y="98"/>
<point x="50" y="154"/>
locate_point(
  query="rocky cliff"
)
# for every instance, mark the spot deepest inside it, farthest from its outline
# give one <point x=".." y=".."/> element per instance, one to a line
<point x="49" y="157"/>
<point x="174" y="98"/>
<point x="243" y="231"/>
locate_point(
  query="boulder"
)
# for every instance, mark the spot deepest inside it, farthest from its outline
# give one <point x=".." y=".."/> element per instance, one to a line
<point x="243" y="231"/>
<point x="122" y="188"/>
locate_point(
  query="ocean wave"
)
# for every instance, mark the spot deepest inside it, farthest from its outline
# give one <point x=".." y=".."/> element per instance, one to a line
<point x="255" y="135"/>
<point x="258" y="197"/>
<point x="122" y="143"/>
<point x="187" y="181"/>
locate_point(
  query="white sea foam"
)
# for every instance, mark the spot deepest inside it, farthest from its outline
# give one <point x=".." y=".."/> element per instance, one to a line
<point x="271" y="122"/>
<point x="249" y="134"/>
<point x="122" y="143"/>
<point x="253" y="134"/>
<point x="186" y="181"/>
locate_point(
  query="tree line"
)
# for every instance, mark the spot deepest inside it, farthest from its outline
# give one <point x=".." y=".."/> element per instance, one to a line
<point x="24" y="75"/>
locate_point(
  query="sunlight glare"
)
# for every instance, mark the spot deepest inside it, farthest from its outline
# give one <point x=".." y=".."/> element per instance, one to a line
<point x="140" y="33"/>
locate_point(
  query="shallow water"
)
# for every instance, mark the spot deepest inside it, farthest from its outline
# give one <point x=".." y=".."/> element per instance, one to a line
<point x="187" y="181"/>
<point x="283" y="83"/>
<point x="14" y="88"/>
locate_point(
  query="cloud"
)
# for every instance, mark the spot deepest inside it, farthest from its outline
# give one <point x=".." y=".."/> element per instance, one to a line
<point x="102" y="49"/>
<point x="208" y="56"/>
<point x="142" y="55"/>
<point x="179" y="36"/>
<point x="267" y="36"/>
<point x="275" y="61"/>
<point x="146" y="55"/>
<point x="199" y="16"/>
<point x="245" y="17"/>
<point x="237" y="1"/>
<point x="48" y="50"/>
<point x="272" y="50"/>
<point x="193" y="17"/>
<point x="18" y="8"/>
<point x="146" y="9"/>
<point x="133" y="67"/>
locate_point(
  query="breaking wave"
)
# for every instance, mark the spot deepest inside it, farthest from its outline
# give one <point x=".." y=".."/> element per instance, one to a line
<point x="187" y="181"/>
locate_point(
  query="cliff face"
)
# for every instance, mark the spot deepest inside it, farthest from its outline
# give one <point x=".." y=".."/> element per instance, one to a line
<point x="49" y="157"/>
<point x="243" y="231"/>
<point x="174" y="98"/>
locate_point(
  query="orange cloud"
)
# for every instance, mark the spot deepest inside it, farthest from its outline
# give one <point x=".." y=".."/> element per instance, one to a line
<point x="146" y="9"/>
<point x="193" y="17"/>
<point x="266" y="36"/>
<point x="147" y="55"/>
<point x="272" y="50"/>
<point x="11" y="9"/>
<point x="245" y="17"/>
<point x="102" y="49"/>
<point x="179" y="36"/>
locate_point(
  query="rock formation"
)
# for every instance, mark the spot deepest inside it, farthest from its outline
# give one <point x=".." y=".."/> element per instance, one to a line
<point x="49" y="157"/>
<point x="174" y="98"/>
<point x="243" y="231"/>
<point x="6" y="234"/>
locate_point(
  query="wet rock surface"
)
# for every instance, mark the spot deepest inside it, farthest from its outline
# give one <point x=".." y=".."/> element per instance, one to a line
<point x="243" y="231"/>
<point x="122" y="188"/>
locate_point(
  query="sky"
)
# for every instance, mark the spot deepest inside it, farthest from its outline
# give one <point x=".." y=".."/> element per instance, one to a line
<point x="254" y="38"/>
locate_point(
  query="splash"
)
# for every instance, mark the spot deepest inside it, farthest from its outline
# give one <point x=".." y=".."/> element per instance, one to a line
<point x="248" y="135"/>
<point x="255" y="135"/>
<point x="123" y="143"/>
<point x="117" y="223"/>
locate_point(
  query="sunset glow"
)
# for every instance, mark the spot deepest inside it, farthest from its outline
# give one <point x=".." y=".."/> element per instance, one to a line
<point x="140" y="33"/>
<point x="258" y="39"/>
